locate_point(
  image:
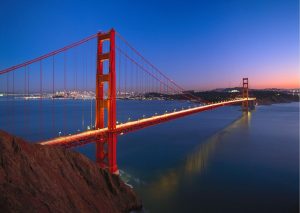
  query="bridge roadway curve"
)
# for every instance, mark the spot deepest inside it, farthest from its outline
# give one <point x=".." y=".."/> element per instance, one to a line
<point x="100" y="134"/>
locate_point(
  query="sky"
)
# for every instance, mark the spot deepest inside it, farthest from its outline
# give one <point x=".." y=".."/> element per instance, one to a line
<point x="203" y="44"/>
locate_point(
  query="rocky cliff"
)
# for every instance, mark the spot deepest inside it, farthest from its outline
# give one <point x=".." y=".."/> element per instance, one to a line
<point x="35" y="178"/>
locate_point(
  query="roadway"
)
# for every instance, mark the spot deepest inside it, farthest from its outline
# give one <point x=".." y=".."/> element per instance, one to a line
<point x="98" y="134"/>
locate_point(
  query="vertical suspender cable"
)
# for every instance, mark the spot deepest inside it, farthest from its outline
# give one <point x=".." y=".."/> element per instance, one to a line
<point x="24" y="100"/>
<point x="13" y="96"/>
<point x="65" y="95"/>
<point x="83" y="93"/>
<point x="53" y="76"/>
<point x="119" y="76"/>
<point x="40" y="100"/>
<point x="125" y="76"/>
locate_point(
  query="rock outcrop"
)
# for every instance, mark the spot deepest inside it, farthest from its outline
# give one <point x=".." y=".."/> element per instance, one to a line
<point x="36" y="178"/>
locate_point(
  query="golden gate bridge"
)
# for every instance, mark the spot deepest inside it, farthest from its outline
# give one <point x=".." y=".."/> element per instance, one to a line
<point x="110" y="66"/>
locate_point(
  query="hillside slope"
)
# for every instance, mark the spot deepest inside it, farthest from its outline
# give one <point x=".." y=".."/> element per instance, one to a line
<point x="35" y="178"/>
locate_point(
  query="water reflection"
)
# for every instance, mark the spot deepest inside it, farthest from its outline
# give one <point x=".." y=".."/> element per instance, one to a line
<point x="197" y="161"/>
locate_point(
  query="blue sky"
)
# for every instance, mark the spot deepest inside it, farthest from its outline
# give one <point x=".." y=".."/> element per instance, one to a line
<point x="200" y="44"/>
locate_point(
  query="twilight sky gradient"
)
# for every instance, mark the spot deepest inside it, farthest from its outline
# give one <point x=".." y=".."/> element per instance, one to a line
<point x="200" y="44"/>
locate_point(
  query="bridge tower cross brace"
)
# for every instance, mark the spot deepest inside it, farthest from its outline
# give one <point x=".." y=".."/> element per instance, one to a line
<point x="106" y="148"/>
<point x="245" y="104"/>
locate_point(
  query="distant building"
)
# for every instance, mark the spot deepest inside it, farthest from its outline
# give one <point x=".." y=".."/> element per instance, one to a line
<point x="188" y="91"/>
<point x="233" y="91"/>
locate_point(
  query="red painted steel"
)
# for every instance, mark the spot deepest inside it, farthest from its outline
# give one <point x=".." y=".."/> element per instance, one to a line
<point x="245" y="104"/>
<point x="99" y="118"/>
<point x="106" y="151"/>
<point x="112" y="108"/>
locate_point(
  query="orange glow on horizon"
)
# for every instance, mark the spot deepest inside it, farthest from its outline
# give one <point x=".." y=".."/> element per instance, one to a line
<point x="280" y="80"/>
<point x="265" y="80"/>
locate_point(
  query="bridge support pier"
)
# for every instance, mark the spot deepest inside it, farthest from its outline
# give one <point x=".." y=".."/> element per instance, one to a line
<point x="251" y="105"/>
<point x="112" y="153"/>
<point x="100" y="153"/>
<point x="106" y="148"/>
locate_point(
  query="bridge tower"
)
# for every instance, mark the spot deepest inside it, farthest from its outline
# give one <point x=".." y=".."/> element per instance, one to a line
<point x="106" y="152"/>
<point x="245" y="104"/>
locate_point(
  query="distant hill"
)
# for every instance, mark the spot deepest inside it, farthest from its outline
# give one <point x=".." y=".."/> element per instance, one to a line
<point x="264" y="96"/>
<point x="271" y="97"/>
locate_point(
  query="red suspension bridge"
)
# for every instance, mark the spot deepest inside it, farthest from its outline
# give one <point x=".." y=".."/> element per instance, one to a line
<point x="102" y="68"/>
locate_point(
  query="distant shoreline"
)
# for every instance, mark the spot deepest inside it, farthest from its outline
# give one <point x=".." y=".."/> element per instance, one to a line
<point x="264" y="97"/>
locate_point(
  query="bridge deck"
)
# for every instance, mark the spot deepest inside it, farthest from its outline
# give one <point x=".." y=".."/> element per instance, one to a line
<point x="93" y="135"/>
